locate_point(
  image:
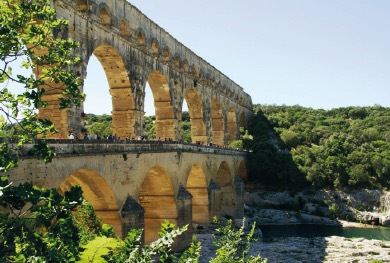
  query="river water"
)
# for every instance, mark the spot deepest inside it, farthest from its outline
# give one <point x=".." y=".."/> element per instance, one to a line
<point x="308" y="231"/>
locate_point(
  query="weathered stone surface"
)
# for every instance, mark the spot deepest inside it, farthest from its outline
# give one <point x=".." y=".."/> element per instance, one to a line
<point x="385" y="220"/>
<point x="134" y="50"/>
<point x="141" y="184"/>
<point x="366" y="206"/>
<point x="385" y="203"/>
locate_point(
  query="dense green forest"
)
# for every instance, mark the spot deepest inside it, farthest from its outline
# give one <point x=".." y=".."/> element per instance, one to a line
<point x="343" y="147"/>
<point x="102" y="125"/>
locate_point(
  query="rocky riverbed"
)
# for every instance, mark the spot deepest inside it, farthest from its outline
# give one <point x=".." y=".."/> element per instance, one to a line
<point x="318" y="207"/>
<point x="286" y="208"/>
<point x="310" y="250"/>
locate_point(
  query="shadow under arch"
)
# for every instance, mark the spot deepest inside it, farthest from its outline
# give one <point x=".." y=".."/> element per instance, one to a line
<point x="123" y="114"/>
<point x="197" y="186"/>
<point x="157" y="197"/>
<point x="98" y="192"/>
<point x="195" y="109"/>
<point x="217" y="124"/>
<point x="225" y="182"/>
<point x="242" y="171"/>
<point x="165" y="119"/>
<point x="231" y="125"/>
<point x="243" y="122"/>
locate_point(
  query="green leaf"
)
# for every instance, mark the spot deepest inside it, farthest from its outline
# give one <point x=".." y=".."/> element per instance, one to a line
<point x="96" y="249"/>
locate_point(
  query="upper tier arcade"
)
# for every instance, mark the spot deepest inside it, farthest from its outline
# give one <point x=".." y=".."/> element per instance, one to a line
<point x="134" y="50"/>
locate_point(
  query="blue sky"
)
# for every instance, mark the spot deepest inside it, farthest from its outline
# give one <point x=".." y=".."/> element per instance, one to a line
<point x="319" y="54"/>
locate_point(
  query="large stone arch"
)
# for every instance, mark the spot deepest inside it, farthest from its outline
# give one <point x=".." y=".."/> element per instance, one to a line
<point x="123" y="115"/>
<point x="195" y="109"/>
<point x="224" y="180"/>
<point x="217" y="123"/>
<point x="231" y="125"/>
<point x="197" y="186"/>
<point x="157" y="197"/>
<point x="165" y="118"/>
<point x="98" y="192"/>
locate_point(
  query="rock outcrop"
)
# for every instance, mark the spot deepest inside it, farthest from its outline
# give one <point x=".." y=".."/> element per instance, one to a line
<point x="316" y="207"/>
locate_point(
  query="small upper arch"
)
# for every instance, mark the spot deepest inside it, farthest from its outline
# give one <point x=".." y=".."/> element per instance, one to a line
<point x="155" y="47"/>
<point x="194" y="71"/>
<point x="104" y="13"/>
<point x="141" y="38"/>
<point x="185" y="65"/>
<point x="124" y="29"/>
<point x="176" y="61"/>
<point x="166" y="54"/>
<point x="82" y="5"/>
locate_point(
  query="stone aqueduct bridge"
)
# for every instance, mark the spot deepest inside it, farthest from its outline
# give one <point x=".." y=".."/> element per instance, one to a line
<point x="134" y="185"/>
<point x="134" y="50"/>
<point x="139" y="184"/>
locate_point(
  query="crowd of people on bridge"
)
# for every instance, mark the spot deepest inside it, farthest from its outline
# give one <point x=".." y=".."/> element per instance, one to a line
<point x="116" y="139"/>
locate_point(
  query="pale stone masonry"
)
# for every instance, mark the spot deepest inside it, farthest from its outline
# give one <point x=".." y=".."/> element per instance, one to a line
<point x="134" y="50"/>
<point x="140" y="184"/>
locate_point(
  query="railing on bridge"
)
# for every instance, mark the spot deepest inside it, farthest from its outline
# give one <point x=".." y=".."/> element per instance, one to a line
<point x="64" y="147"/>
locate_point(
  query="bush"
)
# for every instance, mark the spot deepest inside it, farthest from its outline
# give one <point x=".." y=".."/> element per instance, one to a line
<point x="334" y="211"/>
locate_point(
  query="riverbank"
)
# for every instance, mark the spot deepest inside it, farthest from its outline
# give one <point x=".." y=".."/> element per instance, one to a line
<point x="345" y="223"/>
<point x="309" y="208"/>
<point x="371" y="207"/>
<point x="310" y="250"/>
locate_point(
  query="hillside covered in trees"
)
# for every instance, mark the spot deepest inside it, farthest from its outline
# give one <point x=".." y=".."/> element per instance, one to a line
<point x="294" y="146"/>
<point x="343" y="147"/>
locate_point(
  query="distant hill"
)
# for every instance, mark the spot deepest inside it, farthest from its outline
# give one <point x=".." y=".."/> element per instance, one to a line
<point x="343" y="147"/>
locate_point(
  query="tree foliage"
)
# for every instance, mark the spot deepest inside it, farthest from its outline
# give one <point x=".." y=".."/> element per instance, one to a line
<point x="102" y="126"/>
<point x="29" y="40"/>
<point x="233" y="245"/>
<point x="344" y="147"/>
<point x="36" y="224"/>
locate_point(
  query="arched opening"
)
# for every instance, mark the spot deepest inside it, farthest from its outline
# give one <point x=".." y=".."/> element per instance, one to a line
<point x="185" y="65"/>
<point x="97" y="191"/>
<point x="105" y="16"/>
<point x="97" y="92"/>
<point x="166" y="54"/>
<point x="185" y="123"/>
<point x="197" y="186"/>
<point x="124" y="29"/>
<point x="158" y="200"/>
<point x="231" y="125"/>
<point x="195" y="109"/>
<point x="123" y="115"/>
<point x="82" y="5"/>
<point x="217" y="125"/>
<point x="149" y="124"/>
<point x="141" y="39"/>
<point x="176" y="60"/>
<point x="243" y="120"/>
<point x="155" y="47"/>
<point x="165" y="121"/>
<point x="225" y="182"/>
<point x="242" y="172"/>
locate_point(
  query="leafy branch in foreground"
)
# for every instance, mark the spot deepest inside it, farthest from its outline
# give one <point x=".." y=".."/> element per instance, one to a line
<point x="33" y="62"/>
<point x="36" y="224"/>
<point x="234" y="245"/>
<point x="132" y="251"/>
